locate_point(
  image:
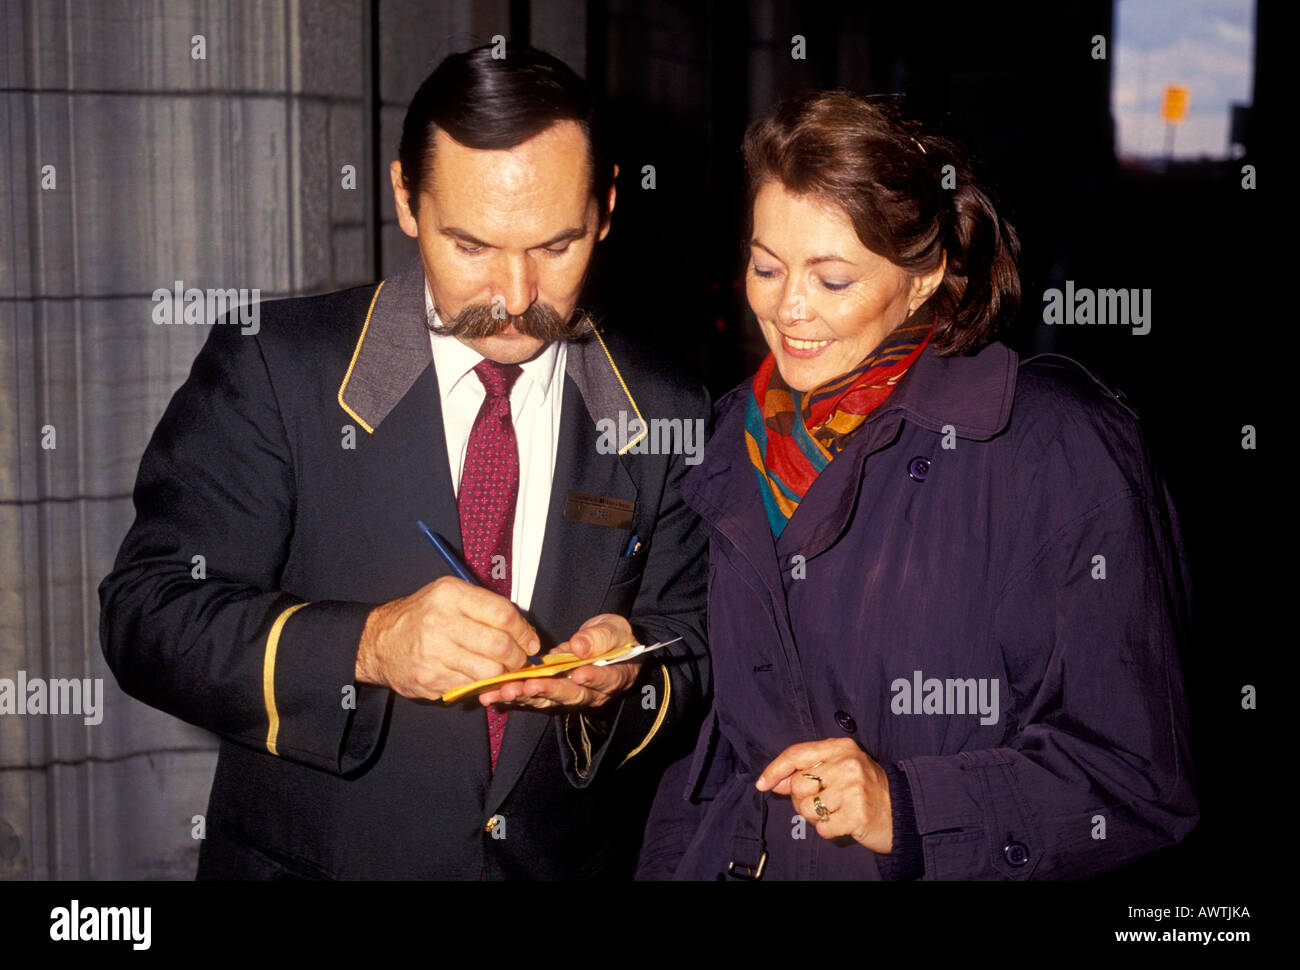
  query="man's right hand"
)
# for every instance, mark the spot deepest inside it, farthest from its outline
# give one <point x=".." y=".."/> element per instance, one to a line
<point x="444" y="635"/>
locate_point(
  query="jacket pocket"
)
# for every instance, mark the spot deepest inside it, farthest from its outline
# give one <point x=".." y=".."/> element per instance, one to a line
<point x="624" y="585"/>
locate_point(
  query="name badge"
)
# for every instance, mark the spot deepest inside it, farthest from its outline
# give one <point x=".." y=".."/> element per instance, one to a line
<point x="599" y="510"/>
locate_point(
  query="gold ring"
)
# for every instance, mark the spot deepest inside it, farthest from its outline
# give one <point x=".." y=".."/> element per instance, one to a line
<point x="823" y="813"/>
<point x="821" y="785"/>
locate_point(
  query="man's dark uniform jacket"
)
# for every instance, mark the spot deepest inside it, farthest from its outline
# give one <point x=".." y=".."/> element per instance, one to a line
<point x="301" y="535"/>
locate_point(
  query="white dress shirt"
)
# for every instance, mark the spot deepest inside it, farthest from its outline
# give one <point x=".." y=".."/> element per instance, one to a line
<point x="535" y="403"/>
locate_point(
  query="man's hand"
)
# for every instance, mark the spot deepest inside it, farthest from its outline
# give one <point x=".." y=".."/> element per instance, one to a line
<point x="589" y="686"/>
<point x="853" y="790"/>
<point x="444" y="635"/>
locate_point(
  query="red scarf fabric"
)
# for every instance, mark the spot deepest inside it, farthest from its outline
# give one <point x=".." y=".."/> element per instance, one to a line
<point x="791" y="435"/>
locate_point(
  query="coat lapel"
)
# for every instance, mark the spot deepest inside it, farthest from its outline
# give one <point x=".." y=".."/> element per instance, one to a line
<point x="971" y="396"/>
<point x="391" y="390"/>
<point x="393" y="349"/>
<point x="410" y="468"/>
<point x="724" y="490"/>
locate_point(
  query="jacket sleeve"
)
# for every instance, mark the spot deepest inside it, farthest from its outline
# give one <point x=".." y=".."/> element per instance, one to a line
<point x="670" y="695"/>
<point x="1094" y="772"/>
<point x="192" y="618"/>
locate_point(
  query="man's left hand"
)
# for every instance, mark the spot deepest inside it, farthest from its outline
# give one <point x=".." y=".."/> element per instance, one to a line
<point x="589" y="686"/>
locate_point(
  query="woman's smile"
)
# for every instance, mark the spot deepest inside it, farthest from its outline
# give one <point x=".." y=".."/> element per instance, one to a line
<point x="803" y="348"/>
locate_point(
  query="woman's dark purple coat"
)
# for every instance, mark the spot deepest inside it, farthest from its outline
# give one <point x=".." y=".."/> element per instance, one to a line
<point x="964" y="533"/>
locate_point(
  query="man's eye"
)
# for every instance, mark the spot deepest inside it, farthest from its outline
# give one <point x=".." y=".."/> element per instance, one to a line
<point x="556" y="250"/>
<point x="471" y="250"/>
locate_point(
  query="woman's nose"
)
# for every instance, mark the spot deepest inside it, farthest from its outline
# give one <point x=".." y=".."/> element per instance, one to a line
<point x="793" y="308"/>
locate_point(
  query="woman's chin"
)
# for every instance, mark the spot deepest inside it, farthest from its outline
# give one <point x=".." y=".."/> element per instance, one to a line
<point x="804" y="375"/>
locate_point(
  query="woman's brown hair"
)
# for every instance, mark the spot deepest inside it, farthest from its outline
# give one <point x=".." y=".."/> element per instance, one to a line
<point x="888" y="176"/>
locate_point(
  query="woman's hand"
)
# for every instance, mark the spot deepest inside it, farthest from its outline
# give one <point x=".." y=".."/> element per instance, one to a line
<point x="586" y="687"/>
<point x="852" y="788"/>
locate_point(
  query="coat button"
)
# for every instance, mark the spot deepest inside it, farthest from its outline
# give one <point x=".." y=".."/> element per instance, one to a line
<point x="492" y="823"/>
<point x="1016" y="853"/>
<point x="845" y="720"/>
<point x="918" y="468"/>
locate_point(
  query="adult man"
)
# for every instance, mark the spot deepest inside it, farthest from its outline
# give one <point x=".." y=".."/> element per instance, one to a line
<point x="317" y="645"/>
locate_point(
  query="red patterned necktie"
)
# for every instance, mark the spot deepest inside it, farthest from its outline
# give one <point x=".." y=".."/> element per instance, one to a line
<point x="489" y="487"/>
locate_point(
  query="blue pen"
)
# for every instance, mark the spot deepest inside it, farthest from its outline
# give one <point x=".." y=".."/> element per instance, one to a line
<point x="453" y="563"/>
<point x="448" y="556"/>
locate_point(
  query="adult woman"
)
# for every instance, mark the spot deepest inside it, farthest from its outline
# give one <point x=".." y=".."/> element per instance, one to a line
<point x="946" y="586"/>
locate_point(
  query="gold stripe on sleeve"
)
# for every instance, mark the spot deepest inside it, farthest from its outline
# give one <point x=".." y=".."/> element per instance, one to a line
<point x="659" y="718"/>
<point x="268" y="677"/>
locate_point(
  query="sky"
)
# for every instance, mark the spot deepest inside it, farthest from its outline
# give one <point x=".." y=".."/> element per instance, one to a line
<point x="1206" y="46"/>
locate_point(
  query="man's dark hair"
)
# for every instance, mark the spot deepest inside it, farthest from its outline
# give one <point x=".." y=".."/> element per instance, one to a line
<point x="488" y="102"/>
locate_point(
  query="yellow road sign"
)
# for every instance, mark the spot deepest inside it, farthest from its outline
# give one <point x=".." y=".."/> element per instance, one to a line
<point x="1174" y="108"/>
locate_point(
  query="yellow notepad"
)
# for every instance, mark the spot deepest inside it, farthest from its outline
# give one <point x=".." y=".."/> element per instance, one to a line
<point x="552" y="664"/>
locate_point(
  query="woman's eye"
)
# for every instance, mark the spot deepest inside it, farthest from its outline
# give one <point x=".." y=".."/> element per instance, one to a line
<point x="764" y="274"/>
<point x="835" y="287"/>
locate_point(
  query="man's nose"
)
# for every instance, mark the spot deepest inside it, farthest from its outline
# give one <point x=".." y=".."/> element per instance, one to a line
<point x="517" y="284"/>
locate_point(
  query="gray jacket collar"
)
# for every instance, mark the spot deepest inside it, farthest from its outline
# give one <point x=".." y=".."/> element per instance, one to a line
<point x="393" y="351"/>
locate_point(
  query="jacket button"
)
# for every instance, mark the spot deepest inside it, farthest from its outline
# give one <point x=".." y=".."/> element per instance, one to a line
<point x="845" y="720"/>
<point x="1016" y="853"/>
<point x="918" y="468"/>
<point x="492" y="823"/>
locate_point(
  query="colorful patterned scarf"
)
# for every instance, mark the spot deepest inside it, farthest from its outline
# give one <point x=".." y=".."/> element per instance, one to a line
<point x="792" y="436"/>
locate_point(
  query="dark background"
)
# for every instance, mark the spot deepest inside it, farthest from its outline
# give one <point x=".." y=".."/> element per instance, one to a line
<point x="680" y="82"/>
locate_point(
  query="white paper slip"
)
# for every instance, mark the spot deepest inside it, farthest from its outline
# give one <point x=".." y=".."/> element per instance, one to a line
<point x="635" y="652"/>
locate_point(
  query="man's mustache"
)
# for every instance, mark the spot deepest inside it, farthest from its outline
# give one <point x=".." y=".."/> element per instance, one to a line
<point x="540" y="320"/>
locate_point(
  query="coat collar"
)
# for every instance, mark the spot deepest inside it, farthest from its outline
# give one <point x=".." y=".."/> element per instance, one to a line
<point x="394" y="350"/>
<point x="971" y="394"/>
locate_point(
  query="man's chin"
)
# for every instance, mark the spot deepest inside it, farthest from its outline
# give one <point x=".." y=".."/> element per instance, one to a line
<point x="504" y="348"/>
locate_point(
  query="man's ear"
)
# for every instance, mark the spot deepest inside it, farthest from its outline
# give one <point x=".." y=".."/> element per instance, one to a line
<point x="923" y="286"/>
<point x="403" y="199"/>
<point x="613" y="191"/>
